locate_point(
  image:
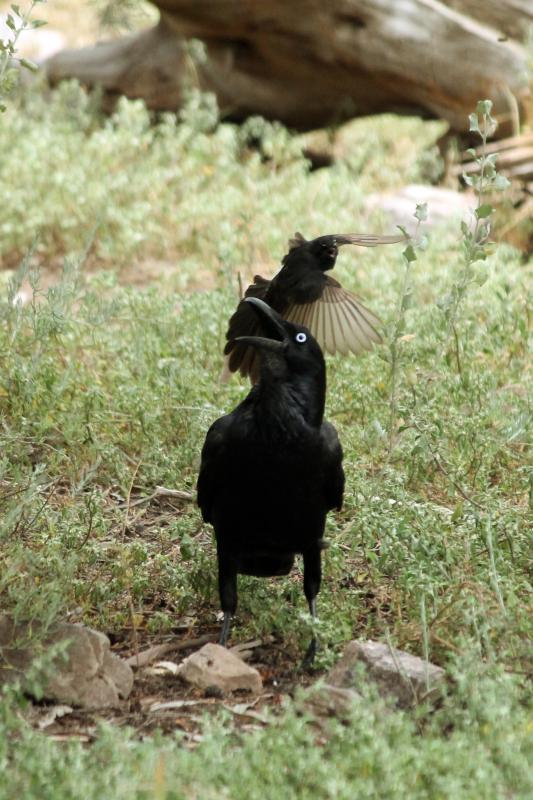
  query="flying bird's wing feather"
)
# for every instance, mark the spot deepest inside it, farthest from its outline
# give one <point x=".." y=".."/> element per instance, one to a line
<point x="338" y="320"/>
<point x="361" y="239"/>
<point x="369" y="239"/>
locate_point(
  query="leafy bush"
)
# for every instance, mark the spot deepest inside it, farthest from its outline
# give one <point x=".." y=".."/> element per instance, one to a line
<point x="172" y="190"/>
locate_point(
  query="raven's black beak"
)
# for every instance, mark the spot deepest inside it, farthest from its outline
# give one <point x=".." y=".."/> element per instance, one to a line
<point x="272" y="324"/>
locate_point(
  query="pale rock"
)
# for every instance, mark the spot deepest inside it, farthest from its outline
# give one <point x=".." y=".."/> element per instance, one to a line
<point x="444" y="206"/>
<point x="214" y="666"/>
<point x="398" y="674"/>
<point x="88" y="675"/>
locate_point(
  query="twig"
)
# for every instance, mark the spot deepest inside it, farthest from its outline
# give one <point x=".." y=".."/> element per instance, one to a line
<point x="7" y="495"/>
<point x="457" y="349"/>
<point x="155" y="653"/>
<point x="454" y="482"/>
<point x="28" y="525"/>
<point x="245" y="650"/>
<point x="180" y="495"/>
<point x="133" y="623"/>
<point x="447" y="606"/>
<point x="92" y="512"/>
<point x="128" y="500"/>
<point x="237" y="648"/>
<point x="162" y="491"/>
<point x="444" y="642"/>
<point x="436" y="459"/>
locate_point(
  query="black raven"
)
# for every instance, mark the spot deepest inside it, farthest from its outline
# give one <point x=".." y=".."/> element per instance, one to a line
<point x="301" y="292"/>
<point x="272" y="468"/>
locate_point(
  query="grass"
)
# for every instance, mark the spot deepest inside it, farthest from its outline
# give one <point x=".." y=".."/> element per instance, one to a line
<point x="107" y="391"/>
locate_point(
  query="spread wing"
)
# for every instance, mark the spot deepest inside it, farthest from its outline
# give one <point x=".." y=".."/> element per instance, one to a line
<point x="244" y="322"/>
<point x="338" y="320"/>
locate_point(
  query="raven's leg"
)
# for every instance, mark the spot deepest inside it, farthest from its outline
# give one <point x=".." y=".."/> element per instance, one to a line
<point x="226" y="626"/>
<point x="312" y="577"/>
<point x="227" y="586"/>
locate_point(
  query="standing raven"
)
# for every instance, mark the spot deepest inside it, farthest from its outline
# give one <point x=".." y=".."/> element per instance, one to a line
<point x="272" y="468"/>
<point x="302" y="293"/>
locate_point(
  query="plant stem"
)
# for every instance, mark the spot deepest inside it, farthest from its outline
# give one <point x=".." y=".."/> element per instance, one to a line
<point x="9" y="49"/>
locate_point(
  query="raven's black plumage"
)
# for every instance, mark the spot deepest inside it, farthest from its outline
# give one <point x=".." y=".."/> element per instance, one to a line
<point x="272" y="469"/>
<point x="302" y="293"/>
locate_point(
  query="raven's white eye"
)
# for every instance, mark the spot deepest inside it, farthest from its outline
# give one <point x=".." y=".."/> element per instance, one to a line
<point x="301" y="338"/>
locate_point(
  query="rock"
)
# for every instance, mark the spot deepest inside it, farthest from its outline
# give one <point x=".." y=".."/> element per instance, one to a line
<point x="214" y="666"/>
<point x="444" y="205"/>
<point x="398" y="674"/>
<point x="325" y="700"/>
<point x="88" y="675"/>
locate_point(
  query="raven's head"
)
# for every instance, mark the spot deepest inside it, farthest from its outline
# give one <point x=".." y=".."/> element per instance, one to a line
<point x="325" y="249"/>
<point x="290" y="355"/>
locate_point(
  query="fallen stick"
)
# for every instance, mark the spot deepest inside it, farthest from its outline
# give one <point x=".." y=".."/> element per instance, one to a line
<point x="157" y="651"/>
<point x="162" y="491"/>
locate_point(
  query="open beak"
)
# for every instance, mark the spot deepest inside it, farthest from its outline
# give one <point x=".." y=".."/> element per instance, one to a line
<point x="368" y="239"/>
<point x="271" y="322"/>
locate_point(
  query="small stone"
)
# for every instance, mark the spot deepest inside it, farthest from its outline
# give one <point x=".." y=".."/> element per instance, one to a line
<point x="398" y="674"/>
<point x="331" y="701"/>
<point x="88" y="675"/>
<point x="214" y="666"/>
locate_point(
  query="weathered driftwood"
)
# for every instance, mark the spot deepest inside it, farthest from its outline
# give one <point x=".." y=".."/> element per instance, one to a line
<point x="310" y="62"/>
<point x="512" y="17"/>
<point x="515" y="158"/>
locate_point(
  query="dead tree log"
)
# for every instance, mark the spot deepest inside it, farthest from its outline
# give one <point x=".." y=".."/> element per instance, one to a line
<point x="309" y="63"/>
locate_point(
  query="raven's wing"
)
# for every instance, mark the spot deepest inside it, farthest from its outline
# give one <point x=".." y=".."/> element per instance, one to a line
<point x="338" y="320"/>
<point x="332" y="463"/>
<point x="244" y="322"/>
<point x="212" y="465"/>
